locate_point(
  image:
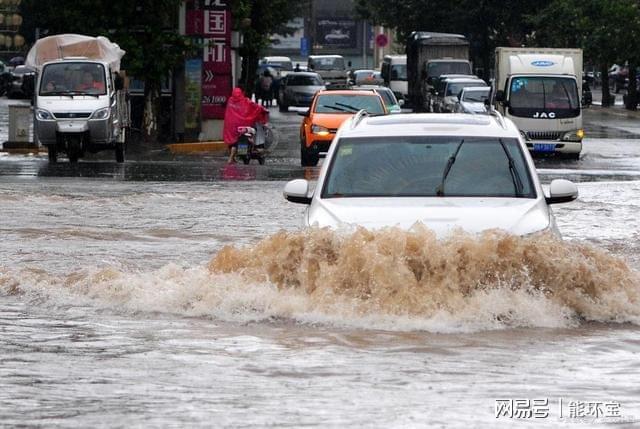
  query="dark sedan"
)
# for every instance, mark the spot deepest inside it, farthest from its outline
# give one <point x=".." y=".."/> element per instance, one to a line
<point x="298" y="88"/>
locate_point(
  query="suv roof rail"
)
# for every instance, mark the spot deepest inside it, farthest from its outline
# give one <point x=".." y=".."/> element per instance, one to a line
<point x="358" y="117"/>
<point x="499" y="118"/>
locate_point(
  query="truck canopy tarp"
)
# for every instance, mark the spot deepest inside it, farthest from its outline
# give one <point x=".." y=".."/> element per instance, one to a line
<point x="74" y="45"/>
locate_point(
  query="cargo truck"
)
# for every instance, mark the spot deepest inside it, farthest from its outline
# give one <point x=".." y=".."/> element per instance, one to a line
<point x="394" y="73"/>
<point x="430" y="55"/>
<point x="539" y="90"/>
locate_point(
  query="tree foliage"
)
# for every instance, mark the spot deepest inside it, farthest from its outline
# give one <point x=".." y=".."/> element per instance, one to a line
<point x="605" y="29"/>
<point x="486" y="23"/>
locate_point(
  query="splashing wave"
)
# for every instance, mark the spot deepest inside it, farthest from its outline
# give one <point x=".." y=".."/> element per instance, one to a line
<point x="388" y="279"/>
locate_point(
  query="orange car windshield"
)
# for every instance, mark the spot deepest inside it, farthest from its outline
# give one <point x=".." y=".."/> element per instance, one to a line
<point x="348" y="103"/>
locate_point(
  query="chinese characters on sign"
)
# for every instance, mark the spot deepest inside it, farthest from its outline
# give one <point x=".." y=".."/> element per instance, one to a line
<point x="210" y="21"/>
<point x="540" y="409"/>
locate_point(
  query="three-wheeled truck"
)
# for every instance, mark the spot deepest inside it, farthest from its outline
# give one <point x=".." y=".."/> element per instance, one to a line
<point x="80" y="103"/>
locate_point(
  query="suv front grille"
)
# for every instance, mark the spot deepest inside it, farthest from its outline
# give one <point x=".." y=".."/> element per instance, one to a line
<point x="72" y="115"/>
<point x="544" y="135"/>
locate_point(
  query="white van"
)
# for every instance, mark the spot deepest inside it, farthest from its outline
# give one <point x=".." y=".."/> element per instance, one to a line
<point x="539" y="90"/>
<point x="283" y="64"/>
<point x="394" y="73"/>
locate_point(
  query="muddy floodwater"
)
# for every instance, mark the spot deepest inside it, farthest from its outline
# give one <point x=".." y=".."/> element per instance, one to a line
<point x="166" y="304"/>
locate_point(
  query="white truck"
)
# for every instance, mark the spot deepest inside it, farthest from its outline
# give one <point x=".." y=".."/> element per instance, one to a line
<point x="331" y="69"/>
<point x="394" y="74"/>
<point x="80" y="104"/>
<point x="539" y="90"/>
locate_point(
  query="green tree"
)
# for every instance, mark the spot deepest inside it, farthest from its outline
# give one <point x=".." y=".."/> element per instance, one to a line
<point x="257" y="20"/>
<point x="145" y="29"/>
<point x="606" y="29"/>
<point x="486" y="23"/>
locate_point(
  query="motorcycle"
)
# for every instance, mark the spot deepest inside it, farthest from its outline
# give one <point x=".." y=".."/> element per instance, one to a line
<point x="253" y="143"/>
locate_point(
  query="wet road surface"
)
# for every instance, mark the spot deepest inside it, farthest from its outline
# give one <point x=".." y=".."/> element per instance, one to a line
<point x="118" y="308"/>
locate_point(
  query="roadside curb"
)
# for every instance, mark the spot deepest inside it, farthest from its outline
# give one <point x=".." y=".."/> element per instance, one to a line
<point x="21" y="147"/>
<point x="198" y="147"/>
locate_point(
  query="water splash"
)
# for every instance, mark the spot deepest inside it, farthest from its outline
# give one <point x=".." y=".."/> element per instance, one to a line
<point x="389" y="279"/>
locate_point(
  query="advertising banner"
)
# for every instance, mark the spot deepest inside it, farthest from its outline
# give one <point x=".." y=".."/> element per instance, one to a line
<point x="336" y="33"/>
<point x="215" y="94"/>
<point x="210" y="21"/>
<point x="193" y="93"/>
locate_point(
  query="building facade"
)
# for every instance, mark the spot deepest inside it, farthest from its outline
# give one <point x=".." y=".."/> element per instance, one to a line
<point x="328" y="27"/>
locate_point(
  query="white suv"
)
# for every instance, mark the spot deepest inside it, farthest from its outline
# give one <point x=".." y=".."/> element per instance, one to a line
<point x="447" y="171"/>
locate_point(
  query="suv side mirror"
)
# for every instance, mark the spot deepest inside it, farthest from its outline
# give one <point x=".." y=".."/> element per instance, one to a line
<point x="562" y="191"/>
<point x="500" y="96"/>
<point x="296" y="191"/>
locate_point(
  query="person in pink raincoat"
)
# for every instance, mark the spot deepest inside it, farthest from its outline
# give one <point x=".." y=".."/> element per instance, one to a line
<point x="240" y="112"/>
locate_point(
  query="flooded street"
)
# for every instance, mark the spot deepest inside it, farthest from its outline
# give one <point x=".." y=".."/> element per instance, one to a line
<point x="118" y="308"/>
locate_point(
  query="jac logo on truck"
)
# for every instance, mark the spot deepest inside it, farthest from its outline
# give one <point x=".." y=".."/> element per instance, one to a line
<point x="544" y="115"/>
<point x="542" y="63"/>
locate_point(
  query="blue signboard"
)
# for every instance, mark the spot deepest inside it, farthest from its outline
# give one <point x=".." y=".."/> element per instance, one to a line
<point x="304" y="47"/>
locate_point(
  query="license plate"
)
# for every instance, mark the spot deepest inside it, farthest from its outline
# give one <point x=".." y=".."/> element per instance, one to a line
<point x="544" y="147"/>
<point x="243" y="149"/>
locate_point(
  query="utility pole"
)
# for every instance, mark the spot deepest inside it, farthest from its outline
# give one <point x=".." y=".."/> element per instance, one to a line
<point x="312" y="27"/>
<point x="365" y="42"/>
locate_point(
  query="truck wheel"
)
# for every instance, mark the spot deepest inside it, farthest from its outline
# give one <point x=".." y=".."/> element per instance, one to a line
<point x="53" y="154"/>
<point x="74" y="148"/>
<point x="120" y="152"/>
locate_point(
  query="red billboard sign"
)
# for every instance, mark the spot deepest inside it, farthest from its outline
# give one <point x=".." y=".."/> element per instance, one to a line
<point x="210" y="21"/>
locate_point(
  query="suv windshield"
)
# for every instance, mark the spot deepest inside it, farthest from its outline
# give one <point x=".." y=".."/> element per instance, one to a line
<point x="303" y="81"/>
<point x="438" y="68"/>
<point x="555" y="96"/>
<point x="327" y="63"/>
<point x="349" y="103"/>
<point x="422" y="167"/>
<point x="73" y="78"/>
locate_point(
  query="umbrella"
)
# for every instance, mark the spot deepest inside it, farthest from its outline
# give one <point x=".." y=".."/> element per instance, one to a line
<point x="16" y="61"/>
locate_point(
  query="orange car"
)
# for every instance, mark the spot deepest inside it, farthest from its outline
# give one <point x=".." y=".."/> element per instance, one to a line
<point x="329" y="109"/>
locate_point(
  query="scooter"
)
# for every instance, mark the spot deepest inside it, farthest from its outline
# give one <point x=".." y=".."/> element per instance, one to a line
<point x="249" y="147"/>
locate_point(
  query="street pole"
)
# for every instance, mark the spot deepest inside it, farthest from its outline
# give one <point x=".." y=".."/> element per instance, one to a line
<point x="364" y="44"/>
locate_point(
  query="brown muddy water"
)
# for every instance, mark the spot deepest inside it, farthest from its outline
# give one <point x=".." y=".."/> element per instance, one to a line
<point x="204" y="305"/>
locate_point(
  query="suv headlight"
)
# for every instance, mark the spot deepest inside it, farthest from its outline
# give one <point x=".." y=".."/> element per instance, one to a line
<point x="573" y="136"/>
<point x="44" y="115"/>
<point x="320" y="130"/>
<point x="101" y="113"/>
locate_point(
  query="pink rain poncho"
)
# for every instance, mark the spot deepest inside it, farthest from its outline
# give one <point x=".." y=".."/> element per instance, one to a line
<point x="241" y="112"/>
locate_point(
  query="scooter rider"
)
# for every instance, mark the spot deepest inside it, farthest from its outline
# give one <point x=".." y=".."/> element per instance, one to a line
<point x="240" y="112"/>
